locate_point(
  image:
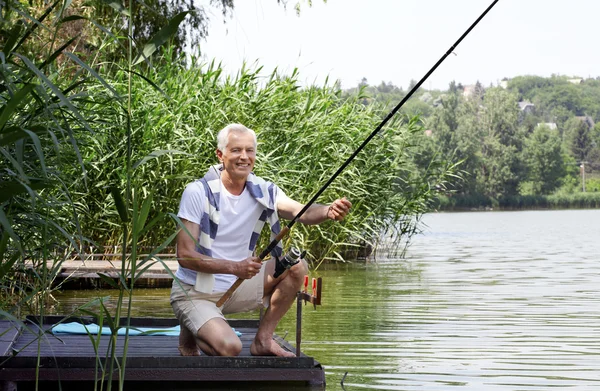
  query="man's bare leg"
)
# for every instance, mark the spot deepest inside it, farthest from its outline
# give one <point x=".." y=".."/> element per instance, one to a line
<point x="187" y="342"/>
<point x="217" y="338"/>
<point x="283" y="292"/>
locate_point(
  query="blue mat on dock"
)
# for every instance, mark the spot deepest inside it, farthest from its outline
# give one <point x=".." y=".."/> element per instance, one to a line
<point x="79" y="328"/>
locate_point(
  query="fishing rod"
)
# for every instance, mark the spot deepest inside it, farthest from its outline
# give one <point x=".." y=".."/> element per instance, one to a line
<point x="285" y="230"/>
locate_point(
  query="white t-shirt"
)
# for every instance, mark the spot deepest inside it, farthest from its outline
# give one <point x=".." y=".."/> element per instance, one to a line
<point x="237" y="218"/>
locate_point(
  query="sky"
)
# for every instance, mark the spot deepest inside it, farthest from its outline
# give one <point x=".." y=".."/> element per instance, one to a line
<point x="400" y="40"/>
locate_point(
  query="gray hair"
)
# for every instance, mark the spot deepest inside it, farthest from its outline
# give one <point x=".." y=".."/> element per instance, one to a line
<point x="223" y="135"/>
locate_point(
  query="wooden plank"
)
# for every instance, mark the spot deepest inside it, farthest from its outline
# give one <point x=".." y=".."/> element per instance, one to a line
<point x="184" y="375"/>
<point x="152" y="359"/>
<point x="65" y="345"/>
<point x="142" y="362"/>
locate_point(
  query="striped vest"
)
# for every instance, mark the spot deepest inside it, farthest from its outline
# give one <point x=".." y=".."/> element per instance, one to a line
<point x="262" y="191"/>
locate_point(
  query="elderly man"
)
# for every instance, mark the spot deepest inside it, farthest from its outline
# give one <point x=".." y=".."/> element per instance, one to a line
<point x="223" y="214"/>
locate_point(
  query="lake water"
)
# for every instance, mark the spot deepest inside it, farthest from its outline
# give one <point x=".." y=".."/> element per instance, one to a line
<point x="481" y="301"/>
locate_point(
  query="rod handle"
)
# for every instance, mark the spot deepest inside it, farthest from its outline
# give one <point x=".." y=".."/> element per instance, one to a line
<point x="229" y="292"/>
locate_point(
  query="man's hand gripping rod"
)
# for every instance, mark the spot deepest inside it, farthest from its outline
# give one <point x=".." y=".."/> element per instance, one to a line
<point x="283" y="233"/>
<point x="286" y="229"/>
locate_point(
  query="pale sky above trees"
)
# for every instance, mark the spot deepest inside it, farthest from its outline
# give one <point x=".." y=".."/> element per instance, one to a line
<point x="399" y="40"/>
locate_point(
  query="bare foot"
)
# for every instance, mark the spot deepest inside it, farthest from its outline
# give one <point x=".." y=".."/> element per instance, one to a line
<point x="189" y="351"/>
<point x="187" y="343"/>
<point x="268" y="348"/>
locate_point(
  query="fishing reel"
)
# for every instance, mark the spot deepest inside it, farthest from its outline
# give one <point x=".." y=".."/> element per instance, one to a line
<point x="292" y="257"/>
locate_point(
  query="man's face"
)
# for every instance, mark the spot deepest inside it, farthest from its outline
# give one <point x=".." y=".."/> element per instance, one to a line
<point x="239" y="155"/>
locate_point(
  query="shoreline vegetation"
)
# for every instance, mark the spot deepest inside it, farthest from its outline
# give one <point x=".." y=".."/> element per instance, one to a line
<point x="538" y="202"/>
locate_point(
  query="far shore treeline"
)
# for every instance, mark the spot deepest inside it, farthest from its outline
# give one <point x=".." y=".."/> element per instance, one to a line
<point x="528" y="142"/>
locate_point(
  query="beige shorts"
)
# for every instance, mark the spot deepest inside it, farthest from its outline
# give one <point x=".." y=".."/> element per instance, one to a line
<point x="194" y="309"/>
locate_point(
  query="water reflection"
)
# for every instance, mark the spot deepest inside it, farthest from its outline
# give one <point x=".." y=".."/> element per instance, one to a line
<point x="482" y="301"/>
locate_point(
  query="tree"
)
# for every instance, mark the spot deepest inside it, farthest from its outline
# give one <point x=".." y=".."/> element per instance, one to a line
<point x="98" y="23"/>
<point x="443" y="122"/>
<point x="544" y="162"/>
<point x="578" y="139"/>
<point x="500" y="171"/>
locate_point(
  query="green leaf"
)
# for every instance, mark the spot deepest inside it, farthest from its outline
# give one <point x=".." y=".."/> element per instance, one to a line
<point x="156" y="154"/>
<point x="161" y="247"/>
<point x="143" y="216"/>
<point x="120" y="204"/>
<point x="37" y="146"/>
<point x="8" y="228"/>
<point x="57" y="52"/>
<point x="7" y="263"/>
<point x="156" y="87"/>
<point x="63" y="99"/>
<point x="12" y="188"/>
<point x="13" y="37"/>
<point x="14" y="133"/>
<point x="161" y="37"/>
<point x="3" y="244"/>
<point x="109" y="319"/>
<point x="93" y="72"/>
<point x="152" y="223"/>
<point x="117" y="6"/>
<point x="108" y="280"/>
<point x="72" y="18"/>
<point x="141" y="271"/>
<point x="14" y="102"/>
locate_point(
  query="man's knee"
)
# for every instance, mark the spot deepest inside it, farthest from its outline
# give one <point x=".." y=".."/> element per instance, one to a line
<point x="231" y="347"/>
<point x="298" y="271"/>
<point x="217" y="338"/>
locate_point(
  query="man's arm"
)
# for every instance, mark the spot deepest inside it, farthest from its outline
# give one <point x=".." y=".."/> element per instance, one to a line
<point x="189" y="258"/>
<point x="316" y="213"/>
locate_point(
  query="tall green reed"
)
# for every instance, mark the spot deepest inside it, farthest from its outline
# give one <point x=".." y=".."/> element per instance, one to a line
<point x="304" y="135"/>
<point x="39" y="119"/>
<point x="43" y="128"/>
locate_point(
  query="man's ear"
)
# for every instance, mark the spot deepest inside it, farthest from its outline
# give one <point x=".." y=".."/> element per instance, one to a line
<point x="220" y="155"/>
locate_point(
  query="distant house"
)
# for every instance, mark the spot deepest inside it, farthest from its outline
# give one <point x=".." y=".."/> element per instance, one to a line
<point x="526" y="107"/>
<point x="549" y="125"/>
<point x="469" y="90"/>
<point x="472" y="90"/>
<point x="426" y="97"/>
<point x="575" y="81"/>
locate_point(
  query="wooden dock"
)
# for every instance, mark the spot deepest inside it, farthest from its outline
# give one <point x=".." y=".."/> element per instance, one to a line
<point x="153" y="361"/>
<point x="83" y="274"/>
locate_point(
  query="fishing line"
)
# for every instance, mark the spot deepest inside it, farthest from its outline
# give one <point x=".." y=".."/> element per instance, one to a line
<point x="381" y="125"/>
<point x="286" y="229"/>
